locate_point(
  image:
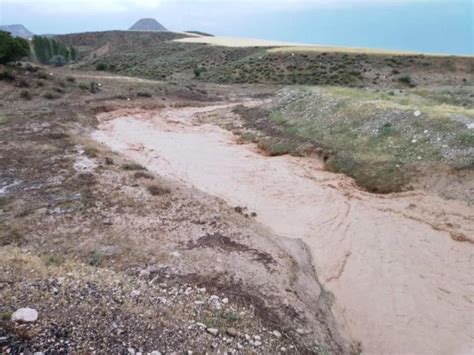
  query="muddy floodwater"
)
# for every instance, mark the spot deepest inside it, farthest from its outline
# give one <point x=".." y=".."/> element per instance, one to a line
<point x="400" y="266"/>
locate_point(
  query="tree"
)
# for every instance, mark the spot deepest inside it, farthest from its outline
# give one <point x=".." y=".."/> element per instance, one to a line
<point x="73" y="53"/>
<point x="12" y="48"/>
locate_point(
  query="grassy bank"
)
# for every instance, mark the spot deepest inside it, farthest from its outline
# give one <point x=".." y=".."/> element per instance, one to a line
<point x="381" y="139"/>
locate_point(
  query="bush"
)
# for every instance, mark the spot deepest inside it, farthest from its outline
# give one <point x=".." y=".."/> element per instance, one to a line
<point x="101" y="67"/>
<point x="42" y="75"/>
<point x="7" y="75"/>
<point x="71" y="79"/>
<point x="26" y="95"/>
<point x="12" y="48"/>
<point x="132" y="166"/>
<point x="49" y="96"/>
<point x="407" y="80"/>
<point x="58" y="61"/>
<point x="199" y="71"/>
<point x="23" y="84"/>
<point x="156" y="190"/>
<point x="144" y="94"/>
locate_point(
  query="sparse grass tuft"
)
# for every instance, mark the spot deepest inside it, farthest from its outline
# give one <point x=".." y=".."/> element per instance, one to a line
<point x="26" y="95"/>
<point x="96" y="258"/>
<point x="156" y="190"/>
<point x="132" y="166"/>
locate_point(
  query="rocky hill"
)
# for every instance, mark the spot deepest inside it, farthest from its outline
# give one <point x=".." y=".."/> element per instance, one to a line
<point x="18" y="31"/>
<point x="147" y="24"/>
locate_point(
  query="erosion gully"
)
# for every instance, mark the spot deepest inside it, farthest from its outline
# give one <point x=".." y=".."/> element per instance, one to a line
<point x="400" y="266"/>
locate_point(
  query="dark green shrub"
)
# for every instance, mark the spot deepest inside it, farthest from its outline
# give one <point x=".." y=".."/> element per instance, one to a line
<point x="101" y="67"/>
<point x="12" y="48"/>
<point x="26" y="95"/>
<point x="57" y="60"/>
<point x="7" y="75"/>
<point x="407" y="80"/>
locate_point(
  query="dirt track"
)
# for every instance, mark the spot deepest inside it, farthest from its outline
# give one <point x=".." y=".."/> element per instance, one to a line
<point x="399" y="266"/>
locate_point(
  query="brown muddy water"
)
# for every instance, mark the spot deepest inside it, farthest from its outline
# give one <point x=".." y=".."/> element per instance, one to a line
<point x="400" y="266"/>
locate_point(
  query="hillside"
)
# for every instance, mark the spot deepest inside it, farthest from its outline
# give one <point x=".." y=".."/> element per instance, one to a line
<point x="18" y="31"/>
<point x="157" y="56"/>
<point x="147" y="24"/>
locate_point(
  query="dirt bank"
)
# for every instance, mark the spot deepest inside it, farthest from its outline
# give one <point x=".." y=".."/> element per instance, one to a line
<point x="399" y="266"/>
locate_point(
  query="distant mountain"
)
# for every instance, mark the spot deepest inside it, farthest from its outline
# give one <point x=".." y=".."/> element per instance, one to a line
<point x="18" y="31"/>
<point x="147" y="24"/>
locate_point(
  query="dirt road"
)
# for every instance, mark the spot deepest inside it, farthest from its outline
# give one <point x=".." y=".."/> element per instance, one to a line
<point x="399" y="266"/>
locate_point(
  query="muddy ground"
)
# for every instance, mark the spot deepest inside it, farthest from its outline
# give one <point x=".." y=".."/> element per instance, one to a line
<point x="120" y="246"/>
<point x="115" y="258"/>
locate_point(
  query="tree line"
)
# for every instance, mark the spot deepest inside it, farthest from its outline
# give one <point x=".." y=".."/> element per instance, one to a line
<point x="50" y="51"/>
<point x="12" y="48"/>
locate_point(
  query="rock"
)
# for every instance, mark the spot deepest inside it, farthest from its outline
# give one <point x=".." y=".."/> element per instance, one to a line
<point x="131" y="351"/>
<point x="240" y="346"/>
<point x="25" y="315"/>
<point x="155" y="352"/>
<point x="213" y="331"/>
<point x="470" y="126"/>
<point x="283" y="349"/>
<point x="135" y="293"/>
<point x="257" y="343"/>
<point x="232" y="332"/>
<point x="225" y="300"/>
<point x="417" y="113"/>
<point x="201" y="325"/>
<point x="276" y="333"/>
<point x="257" y="337"/>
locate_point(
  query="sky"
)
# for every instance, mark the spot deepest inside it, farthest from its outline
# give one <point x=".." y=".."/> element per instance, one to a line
<point x="436" y="26"/>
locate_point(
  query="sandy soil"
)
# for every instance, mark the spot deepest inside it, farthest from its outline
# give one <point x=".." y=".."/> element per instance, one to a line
<point x="237" y="42"/>
<point x="399" y="266"/>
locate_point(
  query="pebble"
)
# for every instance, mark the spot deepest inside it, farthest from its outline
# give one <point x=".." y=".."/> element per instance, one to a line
<point x="417" y="113"/>
<point x="276" y="333"/>
<point x="257" y="337"/>
<point x="135" y="293"/>
<point x="25" y="315"/>
<point x="213" y="331"/>
<point x="225" y="300"/>
<point x="232" y="332"/>
<point x="257" y="343"/>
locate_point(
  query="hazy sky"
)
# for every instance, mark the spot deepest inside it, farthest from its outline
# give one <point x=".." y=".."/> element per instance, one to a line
<point x="421" y="25"/>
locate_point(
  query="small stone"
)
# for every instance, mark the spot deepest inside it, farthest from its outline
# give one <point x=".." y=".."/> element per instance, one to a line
<point x="300" y="331"/>
<point x="155" y="352"/>
<point x="232" y="332"/>
<point x="257" y="337"/>
<point x="283" y="349"/>
<point x="240" y="346"/>
<point x="470" y="126"/>
<point x="135" y="293"/>
<point x="247" y="337"/>
<point x="131" y="351"/>
<point x="417" y="113"/>
<point x="225" y="300"/>
<point x="213" y="331"/>
<point x="25" y="315"/>
<point x="257" y="343"/>
<point x="276" y="333"/>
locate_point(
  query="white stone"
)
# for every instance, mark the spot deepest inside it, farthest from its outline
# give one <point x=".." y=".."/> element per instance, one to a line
<point x="257" y="343"/>
<point x="225" y="300"/>
<point x="213" y="331"/>
<point x="135" y="293"/>
<point x="257" y="337"/>
<point x="25" y="315"/>
<point x="417" y="113"/>
<point x="470" y="126"/>
<point x="277" y="334"/>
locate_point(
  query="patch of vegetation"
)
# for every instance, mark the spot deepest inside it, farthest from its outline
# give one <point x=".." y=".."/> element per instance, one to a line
<point x="146" y="94"/>
<point x="7" y="75"/>
<point x="143" y="175"/>
<point x="156" y="190"/>
<point x="26" y="95"/>
<point x="132" y="166"/>
<point x="51" y="51"/>
<point x="101" y="67"/>
<point x="71" y="79"/>
<point x="407" y="80"/>
<point x="96" y="258"/>
<point x="12" y="48"/>
<point x="368" y="135"/>
<point x="54" y="259"/>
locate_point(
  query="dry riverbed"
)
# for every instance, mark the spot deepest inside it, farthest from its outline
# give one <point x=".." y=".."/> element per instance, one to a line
<point x="399" y="265"/>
